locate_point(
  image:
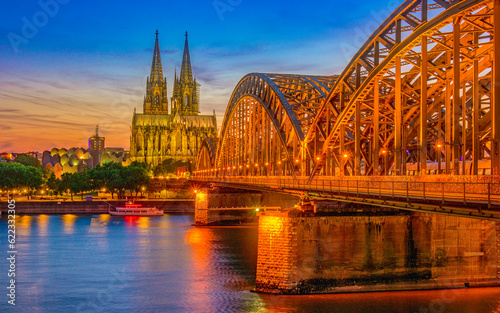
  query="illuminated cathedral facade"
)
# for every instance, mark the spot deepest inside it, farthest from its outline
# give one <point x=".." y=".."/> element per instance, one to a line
<point x="159" y="133"/>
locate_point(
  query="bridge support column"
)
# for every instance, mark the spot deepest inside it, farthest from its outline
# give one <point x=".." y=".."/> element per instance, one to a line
<point x="301" y="253"/>
<point x="222" y="207"/>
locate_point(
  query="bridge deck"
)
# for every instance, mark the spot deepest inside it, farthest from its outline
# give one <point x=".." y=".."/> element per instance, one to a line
<point x="480" y="199"/>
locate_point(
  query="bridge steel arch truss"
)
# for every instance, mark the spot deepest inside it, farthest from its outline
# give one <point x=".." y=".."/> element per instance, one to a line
<point x="419" y="90"/>
<point x="205" y="159"/>
<point x="266" y="122"/>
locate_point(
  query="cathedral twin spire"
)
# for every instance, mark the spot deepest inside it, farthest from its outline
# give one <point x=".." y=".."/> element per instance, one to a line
<point x="185" y="97"/>
<point x="186" y="72"/>
<point x="156" y="70"/>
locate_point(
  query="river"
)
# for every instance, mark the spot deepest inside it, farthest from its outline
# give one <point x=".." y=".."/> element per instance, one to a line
<point x="98" y="263"/>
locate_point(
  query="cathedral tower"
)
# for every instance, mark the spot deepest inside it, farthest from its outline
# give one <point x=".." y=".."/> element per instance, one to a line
<point x="156" y="135"/>
<point x="155" y="101"/>
<point x="186" y="95"/>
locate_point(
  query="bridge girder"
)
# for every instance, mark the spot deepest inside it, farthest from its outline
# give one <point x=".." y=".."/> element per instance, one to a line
<point x="390" y="117"/>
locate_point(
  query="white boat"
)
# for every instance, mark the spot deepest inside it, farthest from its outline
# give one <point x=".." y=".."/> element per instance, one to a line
<point x="133" y="209"/>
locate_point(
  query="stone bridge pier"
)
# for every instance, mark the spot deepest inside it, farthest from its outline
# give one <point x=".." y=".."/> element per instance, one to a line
<point x="224" y="206"/>
<point x="357" y="251"/>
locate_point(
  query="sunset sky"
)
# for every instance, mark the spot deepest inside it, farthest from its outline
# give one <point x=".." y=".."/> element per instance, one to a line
<point x="67" y="66"/>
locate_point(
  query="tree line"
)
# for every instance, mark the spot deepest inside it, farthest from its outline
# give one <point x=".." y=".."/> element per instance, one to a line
<point x="112" y="177"/>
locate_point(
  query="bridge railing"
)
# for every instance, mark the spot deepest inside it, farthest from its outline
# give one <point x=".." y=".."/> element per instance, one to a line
<point x="463" y="193"/>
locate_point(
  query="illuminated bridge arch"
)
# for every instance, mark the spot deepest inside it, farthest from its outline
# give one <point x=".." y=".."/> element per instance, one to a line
<point x="418" y="91"/>
<point x="418" y="98"/>
<point x="206" y="156"/>
<point x="266" y="121"/>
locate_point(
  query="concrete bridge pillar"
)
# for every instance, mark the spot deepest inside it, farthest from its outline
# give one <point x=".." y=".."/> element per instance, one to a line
<point x="230" y="207"/>
<point x="302" y="253"/>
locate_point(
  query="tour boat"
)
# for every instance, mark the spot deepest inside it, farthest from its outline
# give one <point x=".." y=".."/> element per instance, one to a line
<point x="133" y="209"/>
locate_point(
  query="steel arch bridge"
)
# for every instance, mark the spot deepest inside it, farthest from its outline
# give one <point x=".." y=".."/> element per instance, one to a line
<point x="418" y="98"/>
<point x="265" y="125"/>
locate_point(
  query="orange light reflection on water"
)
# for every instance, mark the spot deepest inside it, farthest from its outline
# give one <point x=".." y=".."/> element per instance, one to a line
<point x="43" y="224"/>
<point x="68" y="221"/>
<point x="23" y="225"/>
<point x="199" y="240"/>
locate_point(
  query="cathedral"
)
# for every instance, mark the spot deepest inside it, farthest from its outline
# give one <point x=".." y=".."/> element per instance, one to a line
<point x="159" y="134"/>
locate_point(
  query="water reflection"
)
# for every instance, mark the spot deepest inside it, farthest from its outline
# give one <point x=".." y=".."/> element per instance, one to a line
<point x="200" y="241"/>
<point x="172" y="267"/>
<point x="23" y="225"/>
<point x="69" y="223"/>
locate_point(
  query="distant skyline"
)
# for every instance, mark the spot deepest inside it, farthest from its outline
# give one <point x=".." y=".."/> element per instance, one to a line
<point x="66" y="66"/>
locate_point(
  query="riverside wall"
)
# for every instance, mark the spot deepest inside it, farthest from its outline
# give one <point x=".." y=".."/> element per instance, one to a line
<point x="94" y="207"/>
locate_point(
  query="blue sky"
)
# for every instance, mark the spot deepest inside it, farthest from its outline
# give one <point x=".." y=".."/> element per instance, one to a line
<point x="67" y="65"/>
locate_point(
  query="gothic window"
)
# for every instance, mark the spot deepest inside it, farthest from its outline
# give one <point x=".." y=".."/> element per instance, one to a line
<point x="157" y="101"/>
<point x="186" y="100"/>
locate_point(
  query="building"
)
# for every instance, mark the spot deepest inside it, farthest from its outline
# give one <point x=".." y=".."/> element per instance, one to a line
<point x="96" y="143"/>
<point x="159" y="133"/>
<point x="71" y="160"/>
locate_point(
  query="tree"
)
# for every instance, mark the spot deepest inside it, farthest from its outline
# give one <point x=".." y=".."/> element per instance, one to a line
<point x="27" y="160"/>
<point x="32" y="178"/>
<point x="135" y="177"/>
<point x="53" y="183"/>
<point x="168" y="166"/>
<point x="79" y="183"/>
<point x="11" y="176"/>
<point x="64" y="185"/>
<point x="109" y="176"/>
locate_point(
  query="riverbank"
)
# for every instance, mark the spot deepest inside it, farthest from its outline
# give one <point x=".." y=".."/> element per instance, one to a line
<point x="95" y="207"/>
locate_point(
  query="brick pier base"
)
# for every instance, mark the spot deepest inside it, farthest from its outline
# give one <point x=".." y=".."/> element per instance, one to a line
<point x="300" y="254"/>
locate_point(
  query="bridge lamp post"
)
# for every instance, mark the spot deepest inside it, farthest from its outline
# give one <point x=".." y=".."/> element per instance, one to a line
<point x="297" y="166"/>
<point x="256" y="169"/>
<point x="345" y="157"/>
<point x="439" y="146"/>
<point x="384" y="153"/>
<point x="279" y="168"/>
<point x="318" y="159"/>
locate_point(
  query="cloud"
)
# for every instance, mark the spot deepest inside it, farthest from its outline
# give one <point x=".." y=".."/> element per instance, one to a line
<point x="5" y="145"/>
